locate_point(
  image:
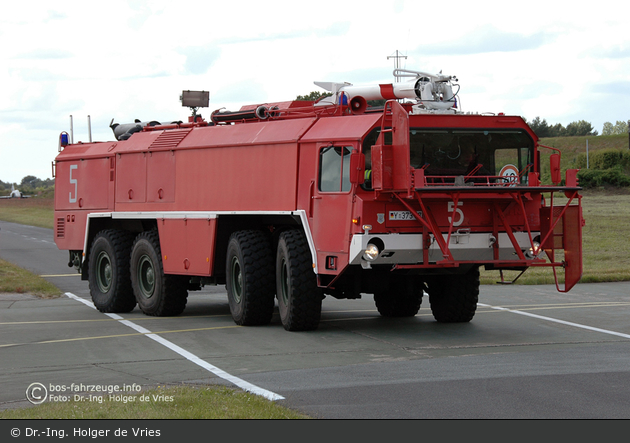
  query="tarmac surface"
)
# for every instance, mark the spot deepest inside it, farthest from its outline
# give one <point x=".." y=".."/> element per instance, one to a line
<point x="530" y="351"/>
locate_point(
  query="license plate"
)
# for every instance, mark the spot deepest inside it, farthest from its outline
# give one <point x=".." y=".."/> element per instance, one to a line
<point x="401" y="215"/>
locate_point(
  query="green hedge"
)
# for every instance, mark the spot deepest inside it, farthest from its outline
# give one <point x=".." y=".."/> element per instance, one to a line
<point x="608" y="167"/>
<point x="595" y="178"/>
<point x="604" y="159"/>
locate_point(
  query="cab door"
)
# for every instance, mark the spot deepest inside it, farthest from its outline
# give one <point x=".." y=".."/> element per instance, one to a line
<point x="332" y="206"/>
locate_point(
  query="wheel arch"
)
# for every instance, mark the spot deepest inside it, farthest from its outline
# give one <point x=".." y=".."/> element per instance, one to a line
<point x="275" y="224"/>
<point x="98" y="222"/>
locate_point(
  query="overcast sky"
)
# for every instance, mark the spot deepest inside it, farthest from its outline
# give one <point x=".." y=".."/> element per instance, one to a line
<point x="563" y="61"/>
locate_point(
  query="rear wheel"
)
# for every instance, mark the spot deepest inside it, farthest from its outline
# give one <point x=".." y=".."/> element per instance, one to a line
<point x="454" y="298"/>
<point x="299" y="298"/>
<point x="156" y="293"/>
<point x="403" y="299"/>
<point x="250" y="278"/>
<point x="108" y="268"/>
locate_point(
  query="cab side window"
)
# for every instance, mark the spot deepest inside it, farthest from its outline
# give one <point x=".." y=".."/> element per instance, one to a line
<point x="334" y="169"/>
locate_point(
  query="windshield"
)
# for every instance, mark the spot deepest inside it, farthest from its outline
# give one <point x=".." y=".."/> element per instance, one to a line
<point x="447" y="153"/>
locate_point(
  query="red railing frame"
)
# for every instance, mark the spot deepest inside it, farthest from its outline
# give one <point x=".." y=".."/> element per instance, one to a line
<point x="454" y="194"/>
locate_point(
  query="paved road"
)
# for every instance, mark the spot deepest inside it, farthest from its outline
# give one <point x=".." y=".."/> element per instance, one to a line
<point x="530" y="352"/>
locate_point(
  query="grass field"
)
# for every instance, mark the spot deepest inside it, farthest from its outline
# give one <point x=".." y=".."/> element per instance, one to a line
<point x="572" y="146"/>
<point x="28" y="211"/>
<point x="17" y="280"/>
<point x="162" y="402"/>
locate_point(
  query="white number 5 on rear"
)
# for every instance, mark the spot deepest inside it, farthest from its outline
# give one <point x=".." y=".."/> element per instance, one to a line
<point x="73" y="181"/>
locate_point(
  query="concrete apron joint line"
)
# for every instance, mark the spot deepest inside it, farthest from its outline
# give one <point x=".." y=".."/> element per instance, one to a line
<point x="187" y="355"/>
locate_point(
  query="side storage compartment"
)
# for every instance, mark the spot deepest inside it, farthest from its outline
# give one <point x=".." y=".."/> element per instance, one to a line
<point x="188" y="245"/>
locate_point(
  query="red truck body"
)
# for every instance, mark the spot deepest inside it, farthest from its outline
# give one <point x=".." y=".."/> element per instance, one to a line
<point x="297" y="200"/>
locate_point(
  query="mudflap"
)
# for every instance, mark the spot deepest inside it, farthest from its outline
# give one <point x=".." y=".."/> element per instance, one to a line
<point x="566" y="240"/>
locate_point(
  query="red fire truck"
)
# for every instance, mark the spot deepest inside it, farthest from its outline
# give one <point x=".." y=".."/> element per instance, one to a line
<point x="298" y="200"/>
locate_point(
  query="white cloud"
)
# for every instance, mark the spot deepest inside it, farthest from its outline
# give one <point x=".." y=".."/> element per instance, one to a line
<point x="485" y="39"/>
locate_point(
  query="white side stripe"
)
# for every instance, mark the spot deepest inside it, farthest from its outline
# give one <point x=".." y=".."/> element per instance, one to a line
<point x="555" y="320"/>
<point x="188" y="355"/>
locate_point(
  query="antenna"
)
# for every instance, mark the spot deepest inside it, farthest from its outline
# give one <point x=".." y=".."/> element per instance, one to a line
<point x="71" y="131"/>
<point x="397" y="58"/>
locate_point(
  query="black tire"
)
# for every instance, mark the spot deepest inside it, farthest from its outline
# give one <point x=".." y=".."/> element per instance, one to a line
<point x="454" y="298"/>
<point x="108" y="269"/>
<point x="157" y="294"/>
<point x="250" y="277"/>
<point x="402" y="300"/>
<point x="299" y="298"/>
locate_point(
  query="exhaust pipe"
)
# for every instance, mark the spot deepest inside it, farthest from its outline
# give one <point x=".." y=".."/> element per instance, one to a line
<point x="124" y="131"/>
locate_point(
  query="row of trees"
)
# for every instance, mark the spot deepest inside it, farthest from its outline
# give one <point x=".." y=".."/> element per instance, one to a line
<point x="577" y="128"/>
<point x="30" y="185"/>
<point x="618" y="128"/>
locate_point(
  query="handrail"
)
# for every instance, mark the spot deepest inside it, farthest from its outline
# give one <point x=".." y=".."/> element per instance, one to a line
<point x="549" y="147"/>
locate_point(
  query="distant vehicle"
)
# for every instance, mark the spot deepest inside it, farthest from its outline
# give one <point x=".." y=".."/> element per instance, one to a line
<point x="15" y="193"/>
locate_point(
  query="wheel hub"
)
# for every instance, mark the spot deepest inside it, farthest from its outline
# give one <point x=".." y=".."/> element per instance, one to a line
<point x="237" y="280"/>
<point x="146" y="276"/>
<point x="105" y="273"/>
<point x="284" y="281"/>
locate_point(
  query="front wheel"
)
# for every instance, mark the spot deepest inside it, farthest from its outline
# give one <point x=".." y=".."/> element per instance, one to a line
<point x="403" y="299"/>
<point x="299" y="298"/>
<point x="454" y="298"/>
<point x="156" y="293"/>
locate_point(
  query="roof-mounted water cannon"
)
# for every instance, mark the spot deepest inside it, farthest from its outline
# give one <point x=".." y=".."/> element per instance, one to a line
<point x="195" y="100"/>
<point x="399" y="73"/>
<point x="432" y="92"/>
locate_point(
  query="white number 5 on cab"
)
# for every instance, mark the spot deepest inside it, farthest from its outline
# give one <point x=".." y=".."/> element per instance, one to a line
<point x="459" y="212"/>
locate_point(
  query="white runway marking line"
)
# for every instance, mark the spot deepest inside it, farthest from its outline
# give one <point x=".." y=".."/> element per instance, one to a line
<point x="555" y="320"/>
<point x="188" y="355"/>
